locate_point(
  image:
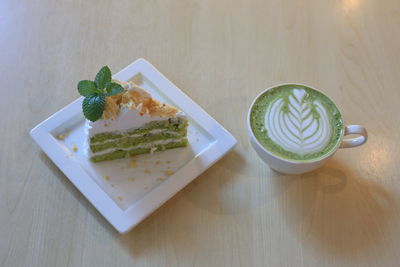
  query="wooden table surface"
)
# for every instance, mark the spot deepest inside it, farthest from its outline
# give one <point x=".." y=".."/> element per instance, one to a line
<point x="221" y="54"/>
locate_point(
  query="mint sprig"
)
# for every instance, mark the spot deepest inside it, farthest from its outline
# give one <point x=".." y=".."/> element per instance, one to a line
<point x="103" y="78"/>
<point x="93" y="106"/>
<point x="86" y="87"/>
<point x="95" y="93"/>
<point x="113" y="89"/>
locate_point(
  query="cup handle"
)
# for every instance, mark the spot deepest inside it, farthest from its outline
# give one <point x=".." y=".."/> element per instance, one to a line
<point x="356" y="141"/>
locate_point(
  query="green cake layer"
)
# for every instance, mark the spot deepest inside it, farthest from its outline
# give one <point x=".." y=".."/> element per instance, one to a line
<point x="139" y="141"/>
<point x="118" y="154"/>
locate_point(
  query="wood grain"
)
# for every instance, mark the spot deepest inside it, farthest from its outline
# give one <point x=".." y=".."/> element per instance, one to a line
<point x="222" y="54"/>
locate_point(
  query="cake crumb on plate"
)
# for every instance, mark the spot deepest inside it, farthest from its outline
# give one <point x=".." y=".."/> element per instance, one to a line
<point x="75" y="148"/>
<point x="62" y="136"/>
<point x="107" y="177"/>
<point x="133" y="163"/>
<point x="168" y="172"/>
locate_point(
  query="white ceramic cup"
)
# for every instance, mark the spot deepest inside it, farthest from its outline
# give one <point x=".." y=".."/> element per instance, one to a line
<point x="295" y="167"/>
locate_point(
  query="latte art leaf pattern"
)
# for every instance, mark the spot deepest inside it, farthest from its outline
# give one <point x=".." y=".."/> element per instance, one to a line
<point x="297" y="123"/>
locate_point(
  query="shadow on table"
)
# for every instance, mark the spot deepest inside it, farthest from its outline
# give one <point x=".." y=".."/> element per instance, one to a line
<point x="204" y="193"/>
<point x="223" y="189"/>
<point x="336" y="211"/>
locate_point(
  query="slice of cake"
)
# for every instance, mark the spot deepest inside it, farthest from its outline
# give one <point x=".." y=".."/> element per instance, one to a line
<point x="132" y="123"/>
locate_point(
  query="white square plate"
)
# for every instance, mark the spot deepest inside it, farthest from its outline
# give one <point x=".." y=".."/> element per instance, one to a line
<point x="125" y="191"/>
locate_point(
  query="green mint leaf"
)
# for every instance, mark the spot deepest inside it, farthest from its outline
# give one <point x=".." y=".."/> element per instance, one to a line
<point x="86" y="87"/>
<point x="93" y="106"/>
<point x="114" y="88"/>
<point x="103" y="78"/>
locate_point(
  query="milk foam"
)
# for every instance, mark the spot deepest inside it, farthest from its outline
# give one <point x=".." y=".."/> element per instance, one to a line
<point x="298" y="124"/>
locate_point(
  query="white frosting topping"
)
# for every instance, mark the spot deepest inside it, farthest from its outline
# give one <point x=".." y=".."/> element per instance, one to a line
<point x="291" y="124"/>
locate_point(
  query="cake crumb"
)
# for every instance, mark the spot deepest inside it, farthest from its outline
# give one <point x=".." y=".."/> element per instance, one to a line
<point x="120" y="198"/>
<point x="169" y="161"/>
<point x="75" y="148"/>
<point x="133" y="163"/>
<point x="63" y="135"/>
<point x="160" y="179"/>
<point x="147" y="171"/>
<point x="168" y="172"/>
<point x="112" y="185"/>
<point x="107" y="178"/>
<point x="130" y="179"/>
<point x="158" y="162"/>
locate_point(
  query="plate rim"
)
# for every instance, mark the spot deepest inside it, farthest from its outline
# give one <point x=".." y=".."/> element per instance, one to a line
<point x="125" y="220"/>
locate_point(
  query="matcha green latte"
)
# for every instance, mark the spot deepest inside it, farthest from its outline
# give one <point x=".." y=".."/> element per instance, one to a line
<point x="296" y="123"/>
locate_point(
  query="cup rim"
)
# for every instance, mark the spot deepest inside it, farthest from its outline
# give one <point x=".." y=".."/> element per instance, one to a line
<point x="250" y="130"/>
